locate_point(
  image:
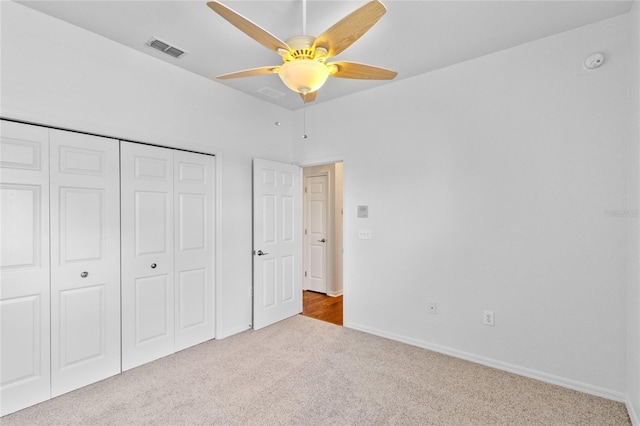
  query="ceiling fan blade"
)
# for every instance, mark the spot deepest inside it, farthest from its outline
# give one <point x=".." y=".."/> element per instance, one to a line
<point x="309" y="97"/>
<point x="350" y="28"/>
<point x="257" y="33"/>
<point x="250" y="73"/>
<point x="360" y="71"/>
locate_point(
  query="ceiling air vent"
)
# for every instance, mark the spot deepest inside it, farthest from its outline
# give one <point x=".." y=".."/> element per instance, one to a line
<point x="272" y="93"/>
<point x="165" y="47"/>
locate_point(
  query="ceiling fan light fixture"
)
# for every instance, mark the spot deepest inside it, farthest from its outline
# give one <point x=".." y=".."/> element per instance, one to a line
<point x="304" y="69"/>
<point x="303" y="75"/>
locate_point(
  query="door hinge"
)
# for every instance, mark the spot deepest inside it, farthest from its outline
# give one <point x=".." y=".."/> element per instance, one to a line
<point x="305" y="273"/>
<point x="305" y="189"/>
<point x="305" y="232"/>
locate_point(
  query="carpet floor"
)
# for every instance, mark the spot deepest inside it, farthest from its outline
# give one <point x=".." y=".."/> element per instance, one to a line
<point x="307" y="372"/>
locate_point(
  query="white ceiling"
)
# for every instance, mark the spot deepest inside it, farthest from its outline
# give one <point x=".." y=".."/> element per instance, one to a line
<point x="414" y="37"/>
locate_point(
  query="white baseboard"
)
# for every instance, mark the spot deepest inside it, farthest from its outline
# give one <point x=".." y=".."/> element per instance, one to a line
<point x="635" y="420"/>
<point x="522" y="371"/>
<point x="328" y="293"/>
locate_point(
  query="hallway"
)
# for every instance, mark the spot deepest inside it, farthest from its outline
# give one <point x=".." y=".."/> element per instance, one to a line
<point x="322" y="307"/>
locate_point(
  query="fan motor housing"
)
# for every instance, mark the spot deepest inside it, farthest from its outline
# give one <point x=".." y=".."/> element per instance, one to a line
<point x="300" y="42"/>
<point x="302" y="47"/>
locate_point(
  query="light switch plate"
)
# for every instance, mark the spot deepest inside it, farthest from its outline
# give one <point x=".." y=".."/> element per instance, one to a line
<point x="364" y="234"/>
<point x="363" y="211"/>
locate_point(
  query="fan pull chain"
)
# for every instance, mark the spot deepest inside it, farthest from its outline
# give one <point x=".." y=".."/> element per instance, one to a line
<point x="304" y="121"/>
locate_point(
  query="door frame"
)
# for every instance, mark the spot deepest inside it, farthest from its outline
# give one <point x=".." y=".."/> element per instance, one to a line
<point x="217" y="241"/>
<point x="346" y="211"/>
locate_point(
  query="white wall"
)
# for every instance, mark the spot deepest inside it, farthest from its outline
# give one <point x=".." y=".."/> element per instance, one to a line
<point x="57" y="74"/>
<point x="633" y="289"/>
<point x="488" y="184"/>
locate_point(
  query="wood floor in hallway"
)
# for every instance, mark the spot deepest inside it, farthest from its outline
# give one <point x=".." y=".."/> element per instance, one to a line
<point x="322" y="307"/>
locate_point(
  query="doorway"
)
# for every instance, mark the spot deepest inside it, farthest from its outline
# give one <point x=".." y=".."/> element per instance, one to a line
<point x="323" y="242"/>
<point x="322" y="307"/>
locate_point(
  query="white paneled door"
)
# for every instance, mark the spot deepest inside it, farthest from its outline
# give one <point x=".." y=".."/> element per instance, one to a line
<point x="193" y="248"/>
<point x="277" y="242"/>
<point x="85" y="260"/>
<point x="316" y="229"/>
<point x="107" y="257"/>
<point x="24" y="278"/>
<point x="167" y="251"/>
<point x="147" y="253"/>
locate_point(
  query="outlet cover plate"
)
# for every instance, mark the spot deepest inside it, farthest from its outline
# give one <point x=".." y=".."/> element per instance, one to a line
<point x="489" y="318"/>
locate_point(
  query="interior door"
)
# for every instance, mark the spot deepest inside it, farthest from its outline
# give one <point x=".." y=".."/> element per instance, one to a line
<point x="85" y="260"/>
<point x="148" y="326"/>
<point x="194" y="244"/>
<point x="316" y="230"/>
<point x="277" y="242"/>
<point x="24" y="266"/>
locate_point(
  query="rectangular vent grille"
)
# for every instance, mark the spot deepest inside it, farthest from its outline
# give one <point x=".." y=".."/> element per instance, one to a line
<point x="272" y="93"/>
<point x="165" y="47"/>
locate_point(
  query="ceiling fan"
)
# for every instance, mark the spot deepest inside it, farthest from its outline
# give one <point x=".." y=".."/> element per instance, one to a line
<point x="304" y="66"/>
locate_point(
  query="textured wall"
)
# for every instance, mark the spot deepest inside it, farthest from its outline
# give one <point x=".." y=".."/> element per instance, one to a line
<point x="493" y="185"/>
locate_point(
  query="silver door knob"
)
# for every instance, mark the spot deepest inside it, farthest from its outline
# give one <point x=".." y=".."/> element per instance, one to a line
<point x="261" y="253"/>
<point x="322" y="241"/>
<point x="85" y="274"/>
<point x="153" y="266"/>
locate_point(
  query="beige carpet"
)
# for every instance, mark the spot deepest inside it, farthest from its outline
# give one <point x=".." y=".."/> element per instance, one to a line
<point x="307" y="372"/>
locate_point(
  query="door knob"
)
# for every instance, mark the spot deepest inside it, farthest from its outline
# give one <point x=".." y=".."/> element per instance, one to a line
<point x="153" y="266"/>
<point x="322" y="240"/>
<point x="261" y="253"/>
<point x="85" y="274"/>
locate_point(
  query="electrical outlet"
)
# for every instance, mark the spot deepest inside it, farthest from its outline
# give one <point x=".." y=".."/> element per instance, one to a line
<point x="432" y="308"/>
<point x="488" y="318"/>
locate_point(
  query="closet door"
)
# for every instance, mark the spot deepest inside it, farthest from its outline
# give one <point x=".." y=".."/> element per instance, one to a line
<point x="148" y="328"/>
<point x="193" y="207"/>
<point x="85" y="260"/>
<point x="24" y="266"/>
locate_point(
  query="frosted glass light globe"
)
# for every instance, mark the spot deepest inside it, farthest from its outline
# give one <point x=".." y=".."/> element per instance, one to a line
<point x="304" y="75"/>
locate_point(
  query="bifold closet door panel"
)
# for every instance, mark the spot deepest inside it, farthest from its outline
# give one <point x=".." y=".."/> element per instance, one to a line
<point x="85" y="260"/>
<point x="24" y="266"/>
<point x="148" y="329"/>
<point x="193" y="210"/>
